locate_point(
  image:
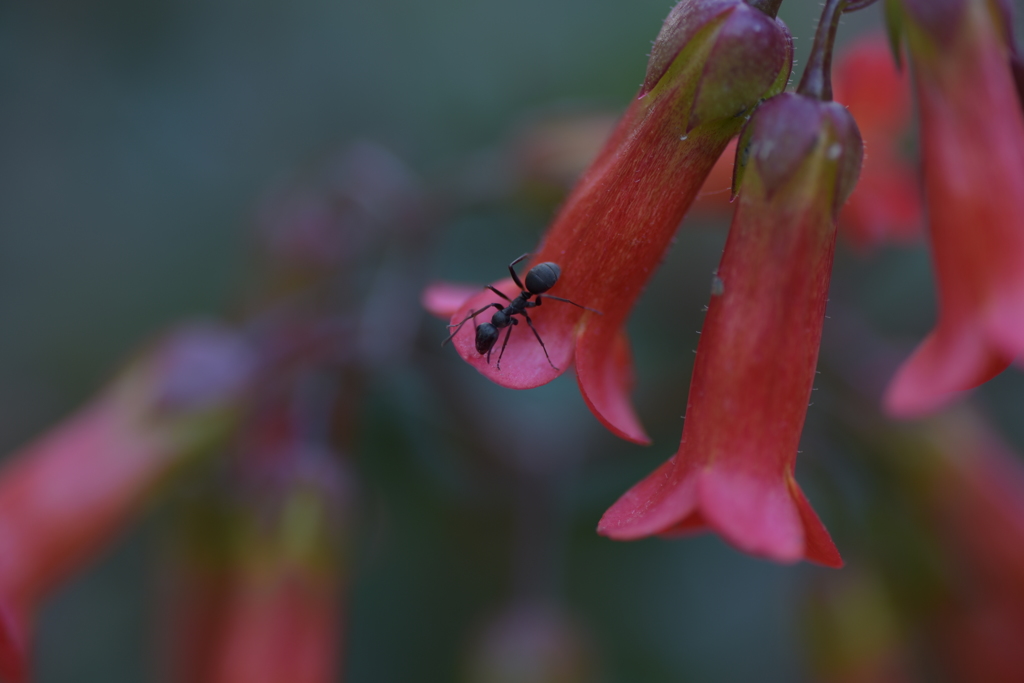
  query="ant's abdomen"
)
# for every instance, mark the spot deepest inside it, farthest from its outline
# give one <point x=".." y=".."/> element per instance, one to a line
<point x="542" y="277"/>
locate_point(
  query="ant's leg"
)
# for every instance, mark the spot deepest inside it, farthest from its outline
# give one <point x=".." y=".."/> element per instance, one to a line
<point x="474" y="314"/>
<point x="503" y="345"/>
<point x="558" y="298"/>
<point x="512" y="271"/>
<point x="499" y="293"/>
<point x="537" y="335"/>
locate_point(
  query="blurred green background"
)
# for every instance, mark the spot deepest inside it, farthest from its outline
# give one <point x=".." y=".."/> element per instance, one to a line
<point x="139" y="140"/>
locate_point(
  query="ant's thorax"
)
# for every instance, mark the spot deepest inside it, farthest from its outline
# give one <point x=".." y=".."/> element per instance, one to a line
<point x="519" y="303"/>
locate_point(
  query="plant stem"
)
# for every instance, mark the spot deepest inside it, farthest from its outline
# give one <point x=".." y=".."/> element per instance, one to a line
<point x="769" y="7"/>
<point x="817" y="78"/>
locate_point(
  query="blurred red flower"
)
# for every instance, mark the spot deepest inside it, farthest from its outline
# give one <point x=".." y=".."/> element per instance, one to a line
<point x="972" y="133"/>
<point x="755" y="362"/>
<point x="886" y="204"/>
<point x="255" y="588"/>
<point x="13" y="657"/>
<point x="63" y="497"/>
<point x="965" y="491"/>
<point x="977" y="506"/>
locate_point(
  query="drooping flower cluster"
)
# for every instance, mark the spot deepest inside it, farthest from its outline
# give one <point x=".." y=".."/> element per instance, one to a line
<point x="797" y="163"/>
<point x="712" y="63"/>
<point x="798" y="160"/>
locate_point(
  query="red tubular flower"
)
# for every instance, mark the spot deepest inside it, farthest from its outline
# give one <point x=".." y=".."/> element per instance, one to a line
<point x="733" y="473"/>
<point x="970" y="488"/>
<point x="972" y="132"/>
<point x="280" y="619"/>
<point x="713" y="61"/>
<point x="886" y="204"/>
<point x="255" y="594"/>
<point x="64" y="496"/>
<point x="716" y="195"/>
<point x="13" y="658"/>
<point x="282" y="625"/>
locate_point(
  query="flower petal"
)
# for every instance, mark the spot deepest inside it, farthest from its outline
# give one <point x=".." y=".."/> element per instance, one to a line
<point x="659" y="503"/>
<point x="755" y="515"/>
<point x="972" y="133"/>
<point x="443" y="299"/>
<point x="523" y="364"/>
<point x="818" y="545"/>
<point x="944" y="366"/>
<point x="604" y="369"/>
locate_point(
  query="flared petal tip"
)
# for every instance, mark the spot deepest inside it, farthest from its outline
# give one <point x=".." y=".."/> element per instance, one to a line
<point x="611" y="526"/>
<point x="913" y="393"/>
<point x="942" y="369"/>
<point x="818" y="545"/>
<point x="443" y="299"/>
<point x="754" y="514"/>
<point x="826" y="557"/>
<point x="629" y="520"/>
<point x="772" y="521"/>
<point x="604" y="370"/>
<point x="905" y="399"/>
<point x="620" y="421"/>
<point x="652" y="506"/>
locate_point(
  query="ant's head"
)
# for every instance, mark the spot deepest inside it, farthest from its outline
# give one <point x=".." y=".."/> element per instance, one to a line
<point x="486" y="336"/>
<point x="542" y="277"/>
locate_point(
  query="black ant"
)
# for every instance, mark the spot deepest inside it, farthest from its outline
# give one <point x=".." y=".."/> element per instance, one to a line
<point x="539" y="280"/>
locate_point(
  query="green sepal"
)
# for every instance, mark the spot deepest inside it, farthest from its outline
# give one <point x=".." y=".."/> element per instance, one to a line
<point x="894" y="29"/>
